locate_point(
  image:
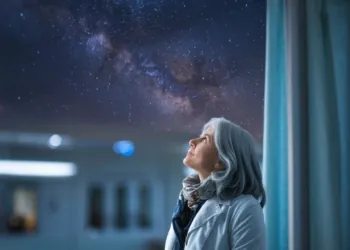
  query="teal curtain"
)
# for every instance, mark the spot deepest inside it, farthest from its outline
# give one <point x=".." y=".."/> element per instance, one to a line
<point x="308" y="47"/>
<point x="275" y="129"/>
<point x="329" y="80"/>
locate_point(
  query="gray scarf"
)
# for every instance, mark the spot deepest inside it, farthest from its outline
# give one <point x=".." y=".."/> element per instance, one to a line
<point x="194" y="190"/>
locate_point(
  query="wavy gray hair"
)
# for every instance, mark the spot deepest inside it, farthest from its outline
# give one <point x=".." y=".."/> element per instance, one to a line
<point x="237" y="153"/>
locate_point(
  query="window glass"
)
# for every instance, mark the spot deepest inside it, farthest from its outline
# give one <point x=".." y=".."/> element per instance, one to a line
<point x="95" y="207"/>
<point x="145" y="201"/>
<point x="79" y="75"/>
<point x="156" y="65"/>
<point x="121" y="205"/>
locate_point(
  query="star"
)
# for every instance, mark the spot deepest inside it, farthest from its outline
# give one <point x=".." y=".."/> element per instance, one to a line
<point x="168" y="65"/>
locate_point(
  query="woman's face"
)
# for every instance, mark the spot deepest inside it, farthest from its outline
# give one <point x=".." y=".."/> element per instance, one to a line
<point x="202" y="155"/>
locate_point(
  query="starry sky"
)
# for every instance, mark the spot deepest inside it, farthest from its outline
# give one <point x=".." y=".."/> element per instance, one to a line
<point x="167" y="65"/>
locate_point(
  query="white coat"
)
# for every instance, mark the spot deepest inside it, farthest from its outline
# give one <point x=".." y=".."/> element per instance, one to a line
<point x="225" y="225"/>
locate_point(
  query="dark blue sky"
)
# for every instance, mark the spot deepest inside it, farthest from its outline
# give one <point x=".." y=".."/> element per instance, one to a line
<point x="163" y="64"/>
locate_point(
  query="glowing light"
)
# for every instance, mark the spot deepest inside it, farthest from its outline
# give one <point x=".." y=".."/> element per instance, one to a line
<point x="125" y="148"/>
<point x="37" y="168"/>
<point x="55" y="141"/>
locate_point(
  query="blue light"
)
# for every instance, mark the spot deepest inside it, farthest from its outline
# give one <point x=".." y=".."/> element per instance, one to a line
<point x="125" y="148"/>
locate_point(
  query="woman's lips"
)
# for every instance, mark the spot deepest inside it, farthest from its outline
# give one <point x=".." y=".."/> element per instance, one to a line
<point x="189" y="152"/>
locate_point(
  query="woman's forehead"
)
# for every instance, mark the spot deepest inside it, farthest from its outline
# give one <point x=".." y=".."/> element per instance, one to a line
<point x="208" y="131"/>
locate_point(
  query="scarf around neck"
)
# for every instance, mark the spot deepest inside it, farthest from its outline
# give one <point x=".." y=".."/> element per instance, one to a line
<point x="193" y="190"/>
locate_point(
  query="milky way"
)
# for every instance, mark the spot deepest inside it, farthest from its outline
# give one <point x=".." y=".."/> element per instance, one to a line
<point x="168" y="65"/>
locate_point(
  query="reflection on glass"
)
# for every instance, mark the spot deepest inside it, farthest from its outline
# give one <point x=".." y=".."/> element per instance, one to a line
<point x="144" y="217"/>
<point x="95" y="207"/>
<point x="121" y="207"/>
<point x="180" y="62"/>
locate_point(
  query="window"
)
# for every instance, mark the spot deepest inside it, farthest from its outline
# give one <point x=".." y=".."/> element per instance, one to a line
<point x="95" y="208"/>
<point x="163" y="65"/>
<point x="145" y="201"/>
<point x="153" y="71"/>
<point x="121" y="205"/>
<point x="19" y="209"/>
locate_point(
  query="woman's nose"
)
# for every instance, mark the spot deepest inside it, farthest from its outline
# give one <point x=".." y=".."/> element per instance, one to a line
<point x="191" y="143"/>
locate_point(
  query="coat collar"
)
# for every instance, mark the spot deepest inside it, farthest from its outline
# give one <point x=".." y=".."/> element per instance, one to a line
<point x="209" y="211"/>
<point x="204" y="222"/>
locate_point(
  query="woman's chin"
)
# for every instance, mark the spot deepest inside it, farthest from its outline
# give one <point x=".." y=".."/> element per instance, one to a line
<point x="185" y="161"/>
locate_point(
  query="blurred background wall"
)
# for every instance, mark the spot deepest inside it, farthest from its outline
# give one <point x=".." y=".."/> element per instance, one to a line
<point x="120" y="195"/>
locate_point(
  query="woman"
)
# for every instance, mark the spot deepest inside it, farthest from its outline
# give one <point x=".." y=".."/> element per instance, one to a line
<point x="220" y="207"/>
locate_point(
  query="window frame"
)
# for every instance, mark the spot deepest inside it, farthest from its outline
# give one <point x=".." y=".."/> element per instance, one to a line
<point x="109" y="185"/>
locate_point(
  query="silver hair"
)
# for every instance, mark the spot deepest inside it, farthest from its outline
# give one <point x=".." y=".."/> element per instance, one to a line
<point x="237" y="153"/>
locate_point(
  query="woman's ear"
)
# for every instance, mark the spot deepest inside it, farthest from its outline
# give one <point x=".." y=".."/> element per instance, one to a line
<point x="218" y="167"/>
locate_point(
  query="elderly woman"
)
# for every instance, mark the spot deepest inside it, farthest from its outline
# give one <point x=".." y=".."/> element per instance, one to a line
<point x="220" y="207"/>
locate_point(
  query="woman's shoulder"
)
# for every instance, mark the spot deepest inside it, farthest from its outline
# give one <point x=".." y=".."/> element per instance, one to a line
<point x="243" y="204"/>
<point x="244" y="211"/>
<point x="239" y="201"/>
<point x="244" y="200"/>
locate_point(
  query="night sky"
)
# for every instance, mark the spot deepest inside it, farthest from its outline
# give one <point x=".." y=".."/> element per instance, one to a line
<point x="167" y="65"/>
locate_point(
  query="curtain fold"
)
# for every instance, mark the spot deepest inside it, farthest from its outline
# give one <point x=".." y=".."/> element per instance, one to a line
<point x="275" y="129"/>
<point x="311" y="55"/>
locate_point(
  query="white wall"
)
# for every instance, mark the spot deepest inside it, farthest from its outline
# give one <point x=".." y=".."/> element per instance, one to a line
<point x="64" y="227"/>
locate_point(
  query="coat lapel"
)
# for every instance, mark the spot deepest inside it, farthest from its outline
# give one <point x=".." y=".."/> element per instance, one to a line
<point x="203" y="223"/>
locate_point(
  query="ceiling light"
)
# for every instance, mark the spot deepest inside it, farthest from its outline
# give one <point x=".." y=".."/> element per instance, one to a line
<point x="55" y="141"/>
<point x="125" y="148"/>
<point x="37" y="168"/>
